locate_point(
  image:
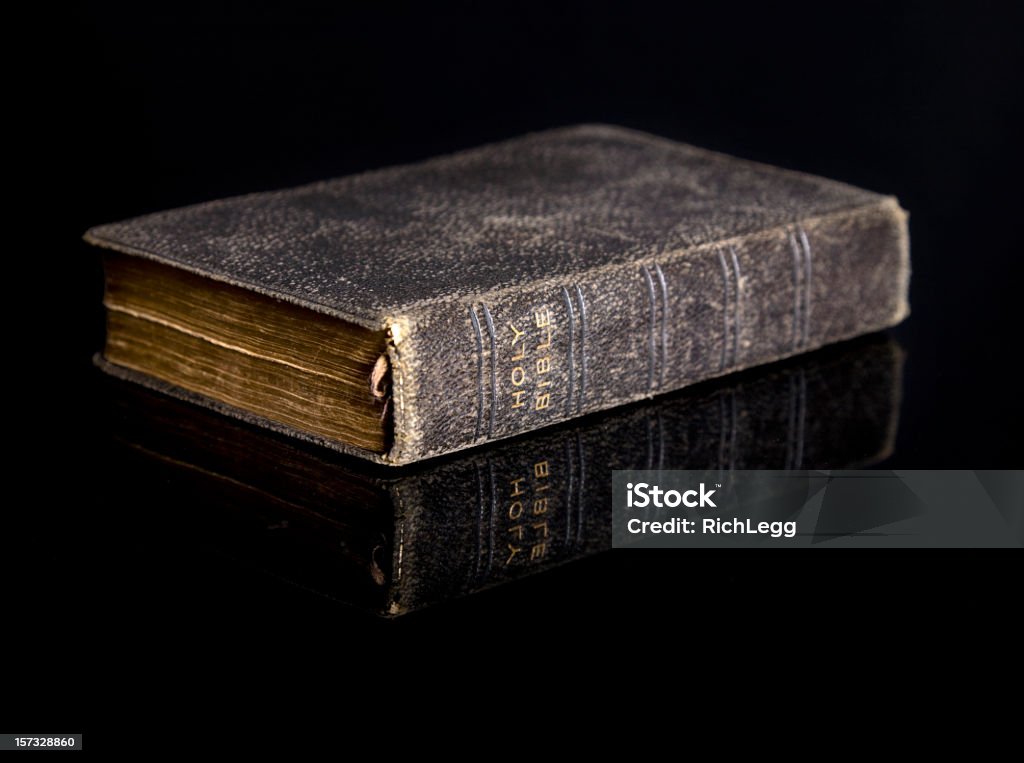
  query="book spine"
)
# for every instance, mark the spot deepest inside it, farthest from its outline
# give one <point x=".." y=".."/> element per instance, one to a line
<point x="521" y="358"/>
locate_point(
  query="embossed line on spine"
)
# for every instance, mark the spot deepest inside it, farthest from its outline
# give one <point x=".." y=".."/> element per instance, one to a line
<point x="797" y="291"/>
<point x="494" y="369"/>
<point x="581" y="399"/>
<point x="650" y="325"/>
<point x="723" y="360"/>
<point x="737" y="308"/>
<point x="664" y="324"/>
<point x="571" y="361"/>
<point x="479" y="372"/>
<point x="801" y="287"/>
<point x="806" y="245"/>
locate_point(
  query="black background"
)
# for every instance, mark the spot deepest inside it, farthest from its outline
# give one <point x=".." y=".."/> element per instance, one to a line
<point x="132" y="110"/>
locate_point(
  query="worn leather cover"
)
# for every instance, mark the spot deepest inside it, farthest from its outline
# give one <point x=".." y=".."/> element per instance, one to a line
<point x="397" y="540"/>
<point x="527" y="282"/>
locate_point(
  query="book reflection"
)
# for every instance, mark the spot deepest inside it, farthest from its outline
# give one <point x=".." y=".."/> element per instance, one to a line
<point x="397" y="540"/>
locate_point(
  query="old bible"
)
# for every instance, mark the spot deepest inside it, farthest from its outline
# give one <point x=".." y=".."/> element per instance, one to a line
<point x="409" y="312"/>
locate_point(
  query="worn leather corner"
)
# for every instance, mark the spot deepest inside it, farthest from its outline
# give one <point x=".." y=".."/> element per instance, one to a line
<point x="401" y="355"/>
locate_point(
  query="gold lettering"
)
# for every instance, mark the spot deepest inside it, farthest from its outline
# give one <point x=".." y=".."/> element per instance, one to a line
<point x="518" y="334"/>
<point x="545" y="383"/>
<point x="518" y="395"/>
<point x="540" y="469"/>
<point x="515" y="510"/>
<point x="543" y="365"/>
<point x="542" y="317"/>
<point x="512" y="551"/>
<point x="516" y="531"/>
<point x="543" y="401"/>
<point x="547" y="344"/>
<point x="520" y="374"/>
<point x="537" y="551"/>
<point x="516" y="490"/>
<point x="540" y="506"/>
<point x="517" y="337"/>
<point x="542" y="527"/>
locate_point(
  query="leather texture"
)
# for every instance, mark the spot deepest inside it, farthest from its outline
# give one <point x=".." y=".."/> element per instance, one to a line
<point x="397" y="540"/>
<point x="623" y="265"/>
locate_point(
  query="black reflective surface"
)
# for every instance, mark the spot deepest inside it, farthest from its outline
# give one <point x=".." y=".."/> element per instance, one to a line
<point x="113" y="574"/>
